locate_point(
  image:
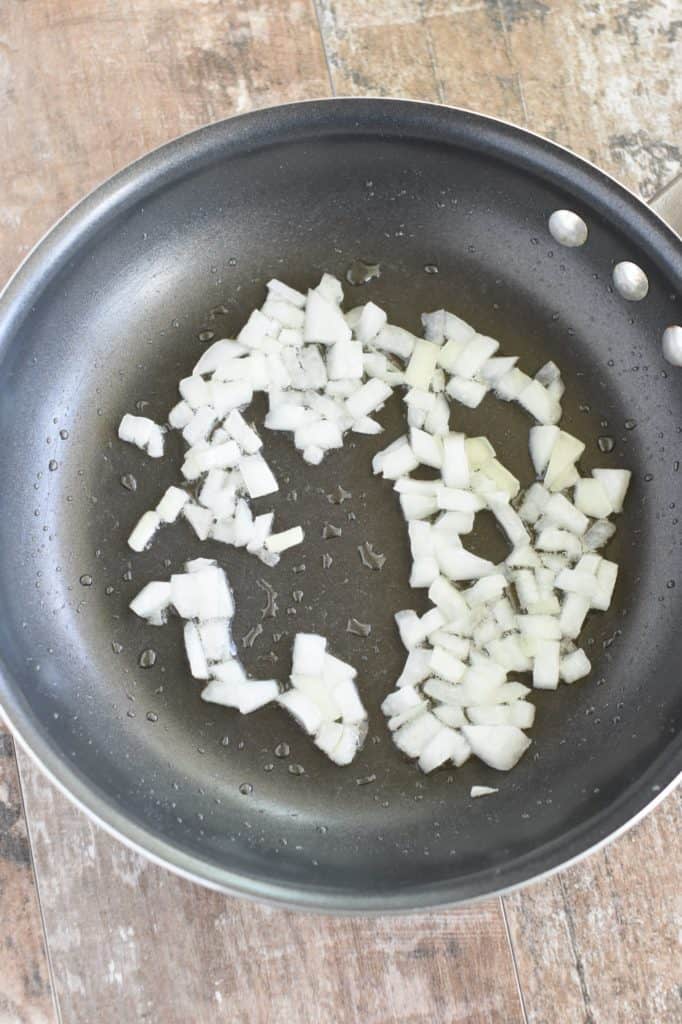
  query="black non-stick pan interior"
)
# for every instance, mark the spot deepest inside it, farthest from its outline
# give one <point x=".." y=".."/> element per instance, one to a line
<point x="116" y="307"/>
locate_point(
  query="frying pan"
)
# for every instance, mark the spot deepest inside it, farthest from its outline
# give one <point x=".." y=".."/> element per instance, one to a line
<point x="108" y="313"/>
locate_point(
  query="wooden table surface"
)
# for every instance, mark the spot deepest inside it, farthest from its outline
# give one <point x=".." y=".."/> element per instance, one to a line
<point x="92" y="933"/>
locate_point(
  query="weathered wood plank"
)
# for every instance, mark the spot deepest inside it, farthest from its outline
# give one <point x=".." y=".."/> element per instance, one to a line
<point x="25" y="989"/>
<point x="604" y="936"/>
<point x="131" y="942"/>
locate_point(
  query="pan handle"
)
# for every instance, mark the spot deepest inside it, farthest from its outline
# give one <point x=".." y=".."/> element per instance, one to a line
<point x="668" y="204"/>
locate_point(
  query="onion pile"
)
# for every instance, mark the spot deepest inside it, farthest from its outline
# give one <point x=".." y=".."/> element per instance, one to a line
<point x="327" y="373"/>
<point x="323" y="697"/>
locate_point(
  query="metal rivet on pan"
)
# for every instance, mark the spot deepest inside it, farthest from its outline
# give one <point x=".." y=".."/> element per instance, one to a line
<point x="630" y="281"/>
<point x="672" y="345"/>
<point x="567" y="228"/>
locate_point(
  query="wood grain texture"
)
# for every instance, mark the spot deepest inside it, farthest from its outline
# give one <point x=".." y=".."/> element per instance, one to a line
<point x="25" y="990"/>
<point x="130" y="942"/>
<point x="607" y="934"/>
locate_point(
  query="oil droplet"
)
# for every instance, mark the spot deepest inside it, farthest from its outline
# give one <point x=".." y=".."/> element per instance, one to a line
<point x="130" y="714"/>
<point x="85" y="580"/>
<point x="648" y="477"/>
<point x="430" y="268"/>
<point x="109" y="590"/>
<point x="127" y="575"/>
<point x="147" y="658"/>
<point x="322" y="829"/>
<point x="584" y="408"/>
<point x="269" y="767"/>
<point x="339" y="495"/>
<point x="329" y="531"/>
<point x="116" y="647"/>
<point x="232" y="262"/>
<point x="606" y="444"/>
<point x="246" y="788"/>
<point x="366" y="780"/>
<point x="152" y="716"/>
<point x="206" y="335"/>
<point x="370" y="558"/>
<point x="129" y="482"/>
<point x="361" y="272"/>
<point x="670" y="584"/>
<point x="629" y="424"/>
<point x="249" y="638"/>
<point x="358" y="628"/>
<point x="282" y="750"/>
<point x="676" y="466"/>
<point x="610" y="362"/>
<point x="52" y="465"/>
<point x="64" y="434"/>
<point x="326" y="561"/>
<point x="296" y="769"/>
<point x="225" y="741"/>
<point x="297" y="596"/>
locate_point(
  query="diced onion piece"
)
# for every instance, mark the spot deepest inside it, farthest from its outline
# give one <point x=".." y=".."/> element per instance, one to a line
<point x="285" y="313"/>
<point x="346" y="695"/>
<point x="418" y="506"/>
<point x="180" y="415"/>
<point x="199" y="518"/>
<point x="422" y="365"/>
<point x="279" y="542"/>
<point x="302" y="708"/>
<point x="446" y="745"/>
<point x="349" y="744"/>
<point x="198" y="665"/>
<point x="511" y="522"/>
<point x="144" y="530"/>
<point x="459" y="564"/>
<point x="215" y="639"/>
<point x="591" y="497"/>
<point x="152" y="600"/>
<point x="395" y="340"/>
<point x="546" y="665"/>
<point x="245" y="436"/>
<point x="599" y="534"/>
<point x="510" y="385"/>
<point x="416" y="668"/>
<point x="427" y="448"/>
<point x="573" y="581"/>
<point x="574" y="666"/>
<point x="541" y="627"/>
<point x="486" y="590"/>
<point x="500" y="746"/>
<point x="494" y="368"/>
<point x="371" y="321"/>
<point x="367" y="399"/>
<point x="565" y="453"/>
<point x="324" y="323"/>
<point x="258" y="477"/>
<point x="615" y="482"/>
<point x="541" y="441"/>
<point x="171" y="504"/>
<point x="468" y="392"/>
<point x="344" y="361"/>
<point x="607" y="574"/>
<point x="401" y="700"/>
<point x="536" y="400"/>
<point x="452" y="499"/>
<point x="309" y="654"/>
<point x="477" y="791"/>
<point x="450" y="714"/>
<point x="425" y="570"/>
<point x="566" y="515"/>
<point x="142" y="432"/>
<point x="446" y="665"/>
<point x="573" y="611"/>
<point x="534" y="502"/>
<point x="317" y="690"/>
<point x="285" y="293"/>
<point x="202" y="594"/>
<point x="474" y="355"/>
<point x="447" y="598"/>
<point x="256" y="693"/>
<point x="413" y="737"/>
<point x="553" y="539"/>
